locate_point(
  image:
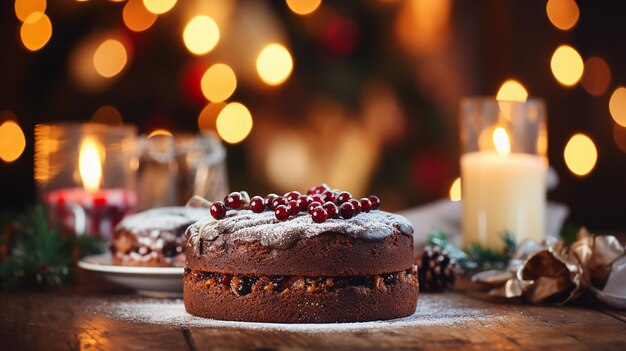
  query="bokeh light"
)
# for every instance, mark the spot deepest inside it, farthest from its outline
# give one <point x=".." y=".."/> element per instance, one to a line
<point x="218" y="82"/>
<point x="596" y="76"/>
<point x="455" y="190"/>
<point x="617" y="106"/>
<point x="512" y="90"/>
<point x="563" y="14"/>
<point x="160" y="132"/>
<point x="234" y="123"/>
<point x="208" y="116"/>
<point x="580" y="154"/>
<point x="25" y="8"/>
<point x="159" y="6"/>
<point x="12" y="141"/>
<point x="201" y="35"/>
<point x="36" y="31"/>
<point x="107" y="115"/>
<point x="274" y="64"/>
<point x="567" y="65"/>
<point x="303" y="7"/>
<point x="136" y="17"/>
<point x="619" y="136"/>
<point x="110" y="58"/>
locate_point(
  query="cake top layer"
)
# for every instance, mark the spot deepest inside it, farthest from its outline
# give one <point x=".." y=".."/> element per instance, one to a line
<point x="244" y="225"/>
<point x="162" y="219"/>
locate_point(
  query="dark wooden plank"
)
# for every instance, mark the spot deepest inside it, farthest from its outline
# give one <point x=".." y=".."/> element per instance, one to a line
<point x="40" y="321"/>
<point x="67" y="321"/>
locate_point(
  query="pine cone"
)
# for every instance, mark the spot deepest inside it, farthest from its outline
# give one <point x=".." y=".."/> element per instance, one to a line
<point x="436" y="271"/>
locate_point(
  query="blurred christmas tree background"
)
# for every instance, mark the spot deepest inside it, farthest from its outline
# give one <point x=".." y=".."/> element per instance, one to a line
<point x="362" y="95"/>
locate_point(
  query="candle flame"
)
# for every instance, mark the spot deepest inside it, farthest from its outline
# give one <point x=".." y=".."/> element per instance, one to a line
<point x="455" y="190"/>
<point x="90" y="163"/>
<point x="501" y="141"/>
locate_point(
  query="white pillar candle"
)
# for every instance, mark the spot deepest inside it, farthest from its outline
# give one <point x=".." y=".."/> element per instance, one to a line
<point x="502" y="191"/>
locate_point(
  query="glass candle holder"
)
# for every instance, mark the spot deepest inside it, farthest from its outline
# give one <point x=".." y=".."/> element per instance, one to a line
<point x="85" y="175"/>
<point x="174" y="168"/>
<point x="503" y="170"/>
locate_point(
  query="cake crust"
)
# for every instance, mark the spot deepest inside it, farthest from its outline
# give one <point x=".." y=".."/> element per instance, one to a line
<point x="324" y="254"/>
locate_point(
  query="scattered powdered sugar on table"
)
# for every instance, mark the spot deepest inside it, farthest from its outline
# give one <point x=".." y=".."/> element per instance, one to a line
<point x="431" y="311"/>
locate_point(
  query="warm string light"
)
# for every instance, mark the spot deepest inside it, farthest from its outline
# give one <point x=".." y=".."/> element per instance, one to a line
<point x="563" y="14"/>
<point x="107" y="115"/>
<point x="36" y="31"/>
<point x="110" y="58"/>
<point x="512" y="90"/>
<point x="617" y="106"/>
<point x="159" y="7"/>
<point x="12" y="141"/>
<point x="234" y="123"/>
<point x="274" y="64"/>
<point x="596" y="76"/>
<point x="303" y="7"/>
<point x="208" y="116"/>
<point x="580" y="154"/>
<point x="218" y="82"/>
<point x="136" y="17"/>
<point x="25" y="8"/>
<point x="567" y="65"/>
<point x="201" y="35"/>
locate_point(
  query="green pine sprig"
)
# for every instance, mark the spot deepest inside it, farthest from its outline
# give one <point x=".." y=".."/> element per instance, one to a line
<point x="478" y="258"/>
<point x="38" y="255"/>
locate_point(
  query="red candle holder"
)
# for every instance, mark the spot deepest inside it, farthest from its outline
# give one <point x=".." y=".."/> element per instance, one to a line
<point x="85" y="175"/>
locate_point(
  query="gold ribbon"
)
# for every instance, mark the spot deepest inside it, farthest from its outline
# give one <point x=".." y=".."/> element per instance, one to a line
<point x="551" y="273"/>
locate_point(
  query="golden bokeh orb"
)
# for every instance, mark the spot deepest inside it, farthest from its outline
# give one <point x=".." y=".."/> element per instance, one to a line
<point x="274" y="64"/>
<point x="110" y="58"/>
<point x="512" y="90"/>
<point x="159" y="7"/>
<point x="24" y="8"/>
<point x="136" y="17"/>
<point x="201" y="34"/>
<point x="36" y="31"/>
<point x="12" y="141"/>
<point x="580" y="155"/>
<point x="234" y="123"/>
<point x="567" y="65"/>
<point x="218" y="83"/>
<point x="563" y="14"/>
<point x="303" y="7"/>
<point x="617" y="106"/>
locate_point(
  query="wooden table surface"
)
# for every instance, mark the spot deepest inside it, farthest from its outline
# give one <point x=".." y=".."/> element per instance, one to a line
<point x="66" y="320"/>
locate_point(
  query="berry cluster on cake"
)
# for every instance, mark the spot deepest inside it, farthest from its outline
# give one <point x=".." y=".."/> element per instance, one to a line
<point x="319" y="257"/>
<point x="154" y="237"/>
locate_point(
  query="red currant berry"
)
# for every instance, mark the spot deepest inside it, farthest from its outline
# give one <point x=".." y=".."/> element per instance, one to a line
<point x="257" y="204"/>
<point x="329" y="195"/>
<point x="234" y="200"/>
<point x="303" y="202"/>
<point x="319" y="214"/>
<point x="343" y="196"/>
<point x="293" y="207"/>
<point x="318" y="197"/>
<point x="366" y="204"/>
<point x="279" y="201"/>
<point x="292" y="195"/>
<point x="281" y="212"/>
<point x="218" y="210"/>
<point x="346" y="210"/>
<point x="269" y="200"/>
<point x="375" y="202"/>
<point x="314" y="205"/>
<point x="332" y="209"/>
<point x="357" y="206"/>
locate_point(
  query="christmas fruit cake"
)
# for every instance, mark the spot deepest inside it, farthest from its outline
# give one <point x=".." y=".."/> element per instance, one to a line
<point x="154" y="237"/>
<point x="321" y="257"/>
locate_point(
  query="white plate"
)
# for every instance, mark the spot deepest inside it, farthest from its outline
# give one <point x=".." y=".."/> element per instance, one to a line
<point x="147" y="281"/>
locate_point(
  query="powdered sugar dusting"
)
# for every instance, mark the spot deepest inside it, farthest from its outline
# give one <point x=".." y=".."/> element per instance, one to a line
<point x="432" y="310"/>
<point x="264" y="228"/>
<point x="163" y="219"/>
